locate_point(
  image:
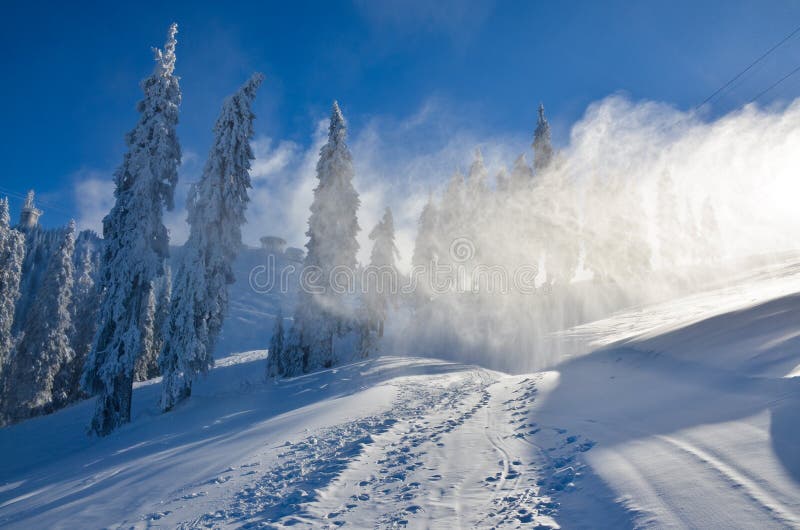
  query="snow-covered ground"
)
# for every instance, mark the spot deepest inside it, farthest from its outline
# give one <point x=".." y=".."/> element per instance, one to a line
<point x="682" y="415"/>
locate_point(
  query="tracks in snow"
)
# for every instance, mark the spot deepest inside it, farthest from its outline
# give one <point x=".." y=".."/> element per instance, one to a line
<point x="454" y="450"/>
<point x="526" y="487"/>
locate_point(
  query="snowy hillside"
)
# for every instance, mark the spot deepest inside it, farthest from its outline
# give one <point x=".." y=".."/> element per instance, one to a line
<point x="682" y="415"/>
<point x="251" y="318"/>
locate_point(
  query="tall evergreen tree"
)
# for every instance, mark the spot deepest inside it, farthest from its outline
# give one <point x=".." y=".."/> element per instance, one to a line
<point x="12" y="253"/>
<point x="136" y="242"/>
<point x="452" y="214"/>
<point x="668" y="228"/>
<point x="322" y="314"/>
<point x="37" y="380"/>
<point x="146" y="365"/>
<point x="477" y="181"/>
<point x="382" y="281"/>
<point x="476" y="197"/>
<point x="521" y="174"/>
<point x="691" y="239"/>
<point x="426" y="247"/>
<point x="502" y="181"/>
<point x="154" y="322"/>
<point x="542" y="146"/>
<point x="216" y="214"/>
<point x="85" y="300"/>
<point x="276" y="361"/>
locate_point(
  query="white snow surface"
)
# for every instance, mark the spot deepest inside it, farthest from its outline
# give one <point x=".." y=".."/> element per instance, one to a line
<point x="682" y="415"/>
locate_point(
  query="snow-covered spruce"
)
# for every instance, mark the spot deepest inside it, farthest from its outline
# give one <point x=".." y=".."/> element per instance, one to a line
<point x="154" y="320"/>
<point x="542" y="146"/>
<point x="426" y="248"/>
<point x="216" y="214"/>
<point x="452" y="214"/>
<point x="277" y="361"/>
<point x="521" y="174"/>
<point x="38" y="379"/>
<point x="136" y="242"/>
<point x="12" y="253"/>
<point x="381" y="285"/>
<point x="322" y="315"/>
<point x="85" y="302"/>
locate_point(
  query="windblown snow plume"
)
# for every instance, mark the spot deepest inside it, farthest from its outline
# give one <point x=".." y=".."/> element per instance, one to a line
<point x="644" y="203"/>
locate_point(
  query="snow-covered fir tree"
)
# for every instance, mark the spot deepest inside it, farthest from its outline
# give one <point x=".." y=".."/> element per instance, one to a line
<point x="85" y="301"/>
<point x="668" y="226"/>
<point x="691" y="239"/>
<point x="542" y="146"/>
<point x="452" y="215"/>
<point x="477" y="195"/>
<point x="136" y="242"/>
<point x="381" y="283"/>
<point x="39" y="246"/>
<point x="321" y="314"/>
<point x="216" y="207"/>
<point x="38" y="380"/>
<point x="502" y="181"/>
<point x="426" y="248"/>
<point x="477" y="179"/>
<point x="521" y="174"/>
<point x="146" y="365"/>
<point x="154" y="321"/>
<point x="276" y="361"/>
<point x="12" y="253"/>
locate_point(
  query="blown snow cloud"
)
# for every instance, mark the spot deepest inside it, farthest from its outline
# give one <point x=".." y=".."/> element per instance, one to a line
<point x="745" y="162"/>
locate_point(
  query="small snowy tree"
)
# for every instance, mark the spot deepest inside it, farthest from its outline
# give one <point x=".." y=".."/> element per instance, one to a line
<point x="12" y="253"/>
<point x="216" y="214"/>
<point x="542" y="146"/>
<point x="37" y="380"/>
<point x="276" y="361"/>
<point x="323" y="314"/>
<point x="136" y="242"/>
<point x="381" y="282"/>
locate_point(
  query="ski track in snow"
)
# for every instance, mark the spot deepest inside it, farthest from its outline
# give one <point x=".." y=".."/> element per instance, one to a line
<point x="739" y="480"/>
<point x="420" y="464"/>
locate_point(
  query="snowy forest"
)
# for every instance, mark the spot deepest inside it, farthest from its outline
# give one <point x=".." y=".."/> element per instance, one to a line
<point x="501" y="264"/>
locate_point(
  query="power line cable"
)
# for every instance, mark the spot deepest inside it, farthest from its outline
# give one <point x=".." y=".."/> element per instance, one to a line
<point x="45" y="203"/>
<point x="751" y="65"/>
<point x="776" y="83"/>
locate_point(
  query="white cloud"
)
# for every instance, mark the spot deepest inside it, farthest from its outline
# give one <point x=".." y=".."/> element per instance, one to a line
<point x="94" y="197"/>
<point x="270" y="161"/>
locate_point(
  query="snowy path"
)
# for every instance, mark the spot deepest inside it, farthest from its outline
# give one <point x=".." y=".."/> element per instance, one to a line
<point x="454" y="450"/>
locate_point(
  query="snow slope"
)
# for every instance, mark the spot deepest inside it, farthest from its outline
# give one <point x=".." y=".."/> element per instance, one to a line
<point x="681" y="415"/>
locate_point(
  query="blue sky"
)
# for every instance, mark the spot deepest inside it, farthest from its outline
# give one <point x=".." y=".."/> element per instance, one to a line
<point x="467" y="69"/>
